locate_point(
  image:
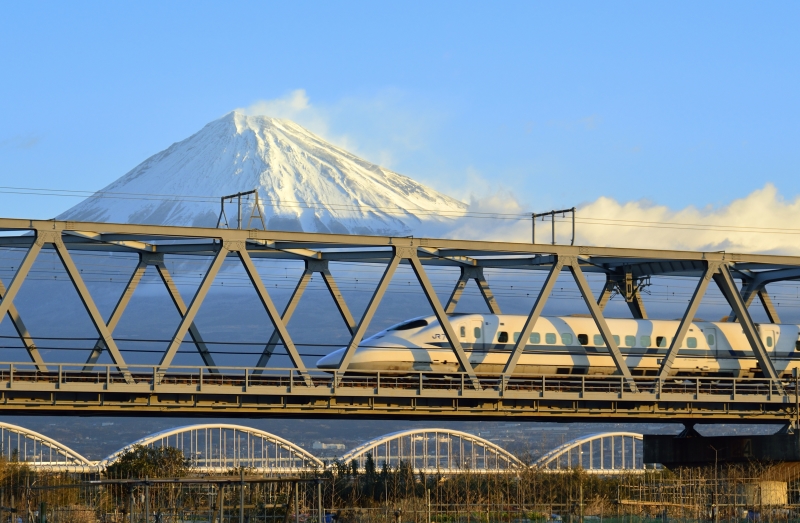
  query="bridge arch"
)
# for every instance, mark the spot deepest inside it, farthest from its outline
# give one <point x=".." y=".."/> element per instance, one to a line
<point x="601" y="453"/>
<point x="37" y="450"/>
<point x="434" y="451"/>
<point x="219" y="447"/>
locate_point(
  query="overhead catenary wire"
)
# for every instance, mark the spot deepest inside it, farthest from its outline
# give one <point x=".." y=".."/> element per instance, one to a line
<point x="516" y="216"/>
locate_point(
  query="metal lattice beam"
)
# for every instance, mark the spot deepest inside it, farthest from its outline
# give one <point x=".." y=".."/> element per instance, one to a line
<point x="533" y="317"/>
<point x="369" y="312"/>
<point x="472" y="273"/>
<point x="191" y="312"/>
<point x="724" y="281"/>
<point x="272" y="312"/>
<point x="600" y="321"/>
<point x="687" y="319"/>
<point x="22" y="332"/>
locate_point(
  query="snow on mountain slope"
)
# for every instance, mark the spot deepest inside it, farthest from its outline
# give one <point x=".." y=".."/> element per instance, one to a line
<point x="304" y="183"/>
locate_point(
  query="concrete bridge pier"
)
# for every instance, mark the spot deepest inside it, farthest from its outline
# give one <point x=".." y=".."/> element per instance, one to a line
<point x="690" y="448"/>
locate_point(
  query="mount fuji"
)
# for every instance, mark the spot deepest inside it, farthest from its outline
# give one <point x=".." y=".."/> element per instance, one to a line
<point x="304" y="184"/>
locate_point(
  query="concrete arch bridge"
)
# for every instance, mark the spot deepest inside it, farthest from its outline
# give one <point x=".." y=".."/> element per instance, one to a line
<point x="217" y="448"/>
<point x="433" y="451"/>
<point x="603" y="453"/>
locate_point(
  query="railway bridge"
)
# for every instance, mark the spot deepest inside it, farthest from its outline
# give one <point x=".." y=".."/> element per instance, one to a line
<point x="50" y="382"/>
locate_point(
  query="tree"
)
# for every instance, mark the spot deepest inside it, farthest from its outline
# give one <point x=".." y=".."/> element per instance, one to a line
<point x="146" y="462"/>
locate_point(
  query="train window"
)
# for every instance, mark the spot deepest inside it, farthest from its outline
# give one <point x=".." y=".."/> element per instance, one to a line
<point x="616" y="340"/>
<point x="644" y="341"/>
<point x="630" y="341"/>
<point x="477" y="332"/>
<point x="550" y="338"/>
<point x="502" y="337"/>
<point x="463" y="332"/>
<point x="566" y="338"/>
<point x="797" y="345"/>
<point x="769" y="341"/>
<point x="691" y="342"/>
<point x="661" y="341"/>
<point x="710" y="339"/>
<point x="598" y="340"/>
<point x="413" y="324"/>
<point x="535" y="337"/>
<point x="516" y="337"/>
<point x="583" y="339"/>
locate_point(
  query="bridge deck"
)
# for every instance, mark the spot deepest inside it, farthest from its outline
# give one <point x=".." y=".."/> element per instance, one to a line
<point x="286" y="392"/>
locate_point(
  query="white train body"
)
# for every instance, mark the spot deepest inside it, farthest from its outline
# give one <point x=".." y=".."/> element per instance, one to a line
<point x="571" y="346"/>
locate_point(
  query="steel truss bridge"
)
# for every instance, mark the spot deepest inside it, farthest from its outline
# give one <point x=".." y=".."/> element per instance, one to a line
<point x="217" y="448"/>
<point x="121" y="388"/>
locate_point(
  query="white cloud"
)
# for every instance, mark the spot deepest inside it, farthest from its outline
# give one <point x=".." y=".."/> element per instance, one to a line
<point x="295" y="106"/>
<point x="384" y="127"/>
<point x="381" y="128"/>
<point x="761" y="222"/>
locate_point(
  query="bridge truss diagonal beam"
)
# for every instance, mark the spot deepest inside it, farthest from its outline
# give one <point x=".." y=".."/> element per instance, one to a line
<point x="336" y="294"/>
<point x="311" y="266"/>
<point x="19" y="277"/>
<point x="156" y="260"/>
<point x="687" y="319"/>
<point x="23" y="333"/>
<point x="724" y="281"/>
<point x="272" y="312"/>
<point x="472" y="273"/>
<point x="288" y="311"/>
<point x="441" y="315"/>
<point x="119" y="308"/>
<point x="751" y="289"/>
<point x="177" y="300"/>
<point x="369" y="312"/>
<point x="769" y="308"/>
<point x="626" y="285"/>
<point x="88" y="303"/>
<point x="191" y="312"/>
<point x="410" y="255"/>
<point x="600" y="321"/>
<point x="533" y="317"/>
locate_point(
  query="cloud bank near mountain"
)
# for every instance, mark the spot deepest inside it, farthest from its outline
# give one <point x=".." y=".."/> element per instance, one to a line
<point x="763" y="221"/>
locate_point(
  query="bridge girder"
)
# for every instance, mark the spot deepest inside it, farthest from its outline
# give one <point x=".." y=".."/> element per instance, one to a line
<point x="316" y="250"/>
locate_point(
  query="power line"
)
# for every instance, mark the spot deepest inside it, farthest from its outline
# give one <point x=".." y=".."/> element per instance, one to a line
<point x="282" y="203"/>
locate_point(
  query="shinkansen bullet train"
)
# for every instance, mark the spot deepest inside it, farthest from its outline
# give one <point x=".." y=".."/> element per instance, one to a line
<point x="571" y="346"/>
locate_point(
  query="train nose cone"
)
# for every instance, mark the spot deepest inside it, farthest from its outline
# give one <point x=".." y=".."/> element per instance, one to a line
<point x="331" y="361"/>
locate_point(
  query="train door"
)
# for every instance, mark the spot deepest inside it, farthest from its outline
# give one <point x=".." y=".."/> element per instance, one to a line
<point x="477" y="334"/>
<point x="711" y="339"/>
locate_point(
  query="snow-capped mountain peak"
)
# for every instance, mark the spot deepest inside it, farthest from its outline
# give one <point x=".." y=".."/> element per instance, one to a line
<point x="304" y="184"/>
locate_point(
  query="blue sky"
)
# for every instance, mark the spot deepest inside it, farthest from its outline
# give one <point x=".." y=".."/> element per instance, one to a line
<point x="558" y="104"/>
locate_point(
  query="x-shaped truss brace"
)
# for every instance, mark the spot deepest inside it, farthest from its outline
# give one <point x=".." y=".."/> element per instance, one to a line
<point x="629" y="288"/>
<point x="54" y="238"/>
<point x="408" y="255"/>
<point x="755" y="284"/>
<point x="573" y="264"/>
<point x="311" y="266"/>
<point x="720" y="273"/>
<point x="157" y="260"/>
<point x="472" y="273"/>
